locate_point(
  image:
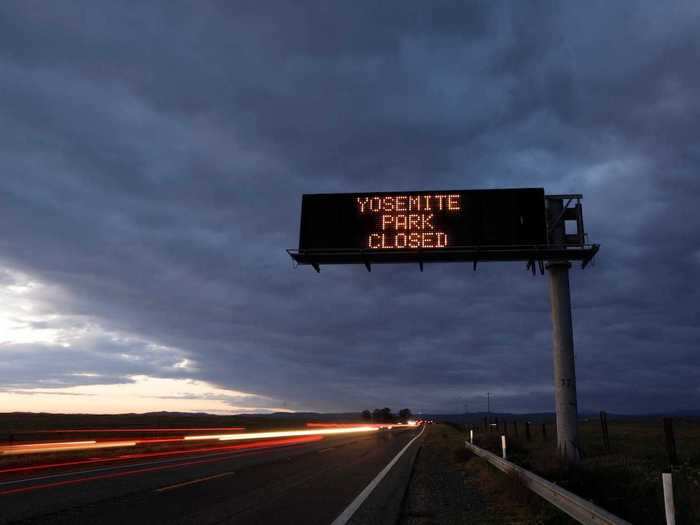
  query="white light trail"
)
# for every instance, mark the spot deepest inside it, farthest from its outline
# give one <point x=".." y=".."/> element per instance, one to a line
<point x="62" y="447"/>
<point x="285" y="433"/>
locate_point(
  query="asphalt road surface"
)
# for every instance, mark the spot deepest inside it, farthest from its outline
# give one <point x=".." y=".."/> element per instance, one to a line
<point x="310" y="482"/>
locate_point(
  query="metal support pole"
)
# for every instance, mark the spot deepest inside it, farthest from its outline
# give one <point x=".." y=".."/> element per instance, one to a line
<point x="563" y="347"/>
<point x="670" y="441"/>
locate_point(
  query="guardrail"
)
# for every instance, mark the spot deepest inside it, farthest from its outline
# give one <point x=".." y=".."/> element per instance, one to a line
<point x="578" y="508"/>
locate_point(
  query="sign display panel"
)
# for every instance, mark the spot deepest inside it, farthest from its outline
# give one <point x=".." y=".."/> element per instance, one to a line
<point x="422" y="220"/>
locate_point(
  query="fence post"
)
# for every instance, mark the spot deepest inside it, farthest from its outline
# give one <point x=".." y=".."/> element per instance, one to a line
<point x="668" y="498"/>
<point x="503" y="445"/>
<point x="527" y="430"/>
<point x="670" y="441"/>
<point x="471" y="437"/>
<point x="604" y="428"/>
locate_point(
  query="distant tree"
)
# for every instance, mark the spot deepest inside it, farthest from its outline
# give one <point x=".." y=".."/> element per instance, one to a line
<point x="386" y="415"/>
<point x="383" y="415"/>
<point x="404" y="415"/>
<point x="367" y="415"/>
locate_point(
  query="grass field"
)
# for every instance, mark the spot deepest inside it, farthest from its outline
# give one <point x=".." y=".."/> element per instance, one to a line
<point x="626" y="480"/>
<point x="493" y="498"/>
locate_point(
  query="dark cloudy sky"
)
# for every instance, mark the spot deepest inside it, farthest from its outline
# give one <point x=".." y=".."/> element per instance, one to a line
<point x="153" y="157"/>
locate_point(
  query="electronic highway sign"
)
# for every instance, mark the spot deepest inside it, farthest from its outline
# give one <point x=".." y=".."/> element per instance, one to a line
<point x="422" y="220"/>
<point x="519" y="224"/>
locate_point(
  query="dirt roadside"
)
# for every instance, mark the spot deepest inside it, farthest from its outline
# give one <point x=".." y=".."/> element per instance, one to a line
<point x="449" y="485"/>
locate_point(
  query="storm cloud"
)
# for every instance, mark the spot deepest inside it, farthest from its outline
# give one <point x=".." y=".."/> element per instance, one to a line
<point x="153" y="157"/>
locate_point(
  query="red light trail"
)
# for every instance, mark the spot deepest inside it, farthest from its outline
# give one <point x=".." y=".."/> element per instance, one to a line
<point x="96" y="430"/>
<point x="318" y="428"/>
<point x="241" y="447"/>
<point x="142" y="455"/>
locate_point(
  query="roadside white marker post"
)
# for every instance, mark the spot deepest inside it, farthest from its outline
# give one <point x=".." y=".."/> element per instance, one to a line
<point x="668" y="498"/>
<point x="471" y="437"/>
<point x="503" y="445"/>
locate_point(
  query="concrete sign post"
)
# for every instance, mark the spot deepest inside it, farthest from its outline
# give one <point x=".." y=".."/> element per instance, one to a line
<point x="563" y="345"/>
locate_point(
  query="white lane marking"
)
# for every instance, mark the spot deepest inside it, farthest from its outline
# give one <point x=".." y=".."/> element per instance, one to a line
<point x="362" y="496"/>
<point x="323" y="450"/>
<point x="114" y="467"/>
<point x="192" y="482"/>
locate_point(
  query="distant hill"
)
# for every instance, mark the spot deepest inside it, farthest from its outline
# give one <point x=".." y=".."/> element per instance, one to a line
<point x="11" y="422"/>
<point x="542" y="417"/>
<point x="35" y="420"/>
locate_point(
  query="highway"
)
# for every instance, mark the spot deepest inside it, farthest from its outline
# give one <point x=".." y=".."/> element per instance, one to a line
<point x="306" y="479"/>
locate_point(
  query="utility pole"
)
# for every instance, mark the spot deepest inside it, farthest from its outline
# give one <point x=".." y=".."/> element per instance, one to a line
<point x="562" y="341"/>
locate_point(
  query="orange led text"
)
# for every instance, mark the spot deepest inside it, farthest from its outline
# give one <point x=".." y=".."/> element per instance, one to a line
<point x="408" y="221"/>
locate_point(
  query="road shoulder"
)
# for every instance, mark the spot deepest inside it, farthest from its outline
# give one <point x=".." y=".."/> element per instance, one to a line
<point x="450" y="485"/>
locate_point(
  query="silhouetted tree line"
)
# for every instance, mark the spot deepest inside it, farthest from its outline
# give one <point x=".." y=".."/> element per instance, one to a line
<point x="385" y="415"/>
